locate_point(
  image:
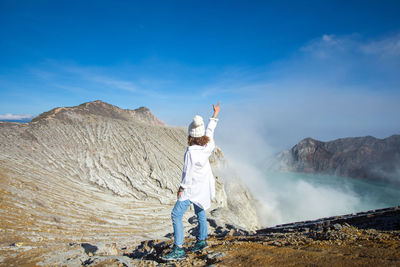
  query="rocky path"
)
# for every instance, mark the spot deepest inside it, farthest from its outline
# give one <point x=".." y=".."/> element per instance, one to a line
<point x="365" y="238"/>
<point x="348" y="240"/>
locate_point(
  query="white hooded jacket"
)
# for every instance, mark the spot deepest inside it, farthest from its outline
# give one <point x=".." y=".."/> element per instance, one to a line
<point x="197" y="177"/>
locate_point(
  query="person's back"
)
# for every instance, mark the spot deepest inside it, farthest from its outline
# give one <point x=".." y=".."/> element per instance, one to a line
<point x="197" y="186"/>
<point x="197" y="177"/>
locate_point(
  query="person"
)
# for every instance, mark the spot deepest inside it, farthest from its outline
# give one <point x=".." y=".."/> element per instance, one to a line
<point x="197" y="186"/>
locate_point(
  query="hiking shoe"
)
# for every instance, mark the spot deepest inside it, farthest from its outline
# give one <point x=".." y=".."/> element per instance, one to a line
<point x="200" y="245"/>
<point x="177" y="253"/>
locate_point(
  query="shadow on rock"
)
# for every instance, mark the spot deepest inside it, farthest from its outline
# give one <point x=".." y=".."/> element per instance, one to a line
<point x="149" y="250"/>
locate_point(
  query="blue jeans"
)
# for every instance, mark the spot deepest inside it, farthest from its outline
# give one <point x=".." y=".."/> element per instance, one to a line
<point x="177" y="213"/>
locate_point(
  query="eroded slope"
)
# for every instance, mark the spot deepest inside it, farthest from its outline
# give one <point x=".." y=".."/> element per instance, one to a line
<point x="96" y="173"/>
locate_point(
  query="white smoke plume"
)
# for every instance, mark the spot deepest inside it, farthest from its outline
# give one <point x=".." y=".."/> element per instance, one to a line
<point x="335" y="87"/>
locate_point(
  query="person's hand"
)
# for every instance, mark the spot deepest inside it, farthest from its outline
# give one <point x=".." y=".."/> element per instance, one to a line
<point x="216" y="109"/>
<point x="178" y="195"/>
<point x="180" y="192"/>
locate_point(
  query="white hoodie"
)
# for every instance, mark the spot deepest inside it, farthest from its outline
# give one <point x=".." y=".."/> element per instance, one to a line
<point x="197" y="177"/>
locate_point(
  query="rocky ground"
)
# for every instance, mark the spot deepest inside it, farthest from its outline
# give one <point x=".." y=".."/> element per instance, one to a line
<point x="344" y="246"/>
<point x="364" y="239"/>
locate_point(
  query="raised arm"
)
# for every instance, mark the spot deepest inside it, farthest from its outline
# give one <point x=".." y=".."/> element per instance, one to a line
<point x="213" y="123"/>
<point x="210" y="129"/>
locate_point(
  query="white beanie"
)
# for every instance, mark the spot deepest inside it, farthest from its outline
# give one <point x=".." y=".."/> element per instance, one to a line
<point x="196" y="128"/>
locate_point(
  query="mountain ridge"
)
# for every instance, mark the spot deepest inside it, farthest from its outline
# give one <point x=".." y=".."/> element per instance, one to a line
<point x="359" y="157"/>
<point x="100" y="108"/>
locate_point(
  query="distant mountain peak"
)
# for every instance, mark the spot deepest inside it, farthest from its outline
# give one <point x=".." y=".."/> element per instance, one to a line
<point x="99" y="108"/>
<point x="362" y="157"/>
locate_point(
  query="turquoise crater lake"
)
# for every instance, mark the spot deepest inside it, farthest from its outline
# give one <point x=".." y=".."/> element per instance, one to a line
<point x="289" y="197"/>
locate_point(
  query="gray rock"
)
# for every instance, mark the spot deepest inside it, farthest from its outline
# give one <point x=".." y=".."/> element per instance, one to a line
<point x="277" y="243"/>
<point x="337" y="226"/>
<point x="216" y="255"/>
<point x="193" y="220"/>
<point x="89" y="249"/>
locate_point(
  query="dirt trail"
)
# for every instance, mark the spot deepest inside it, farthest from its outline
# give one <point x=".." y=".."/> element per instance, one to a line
<point x="333" y="246"/>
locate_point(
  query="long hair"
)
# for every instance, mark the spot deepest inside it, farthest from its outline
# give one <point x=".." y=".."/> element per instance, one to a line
<point x="200" y="141"/>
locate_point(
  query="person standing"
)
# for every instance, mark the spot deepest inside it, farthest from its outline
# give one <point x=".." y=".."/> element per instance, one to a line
<point x="197" y="186"/>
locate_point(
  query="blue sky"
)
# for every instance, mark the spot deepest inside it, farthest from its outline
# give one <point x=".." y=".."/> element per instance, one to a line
<point x="328" y="68"/>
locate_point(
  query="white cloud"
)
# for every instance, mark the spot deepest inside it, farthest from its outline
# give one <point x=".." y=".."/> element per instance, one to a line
<point x="16" y="117"/>
<point x="69" y="75"/>
<point x="114" y="83"/>
<point x="386" y="47"/>
<point x="330" y="45"/>
<point x="95" y="75"/>
<point x="346" y="93"/>
<point x="248" y="89"/>
<point x="327" y="37"/>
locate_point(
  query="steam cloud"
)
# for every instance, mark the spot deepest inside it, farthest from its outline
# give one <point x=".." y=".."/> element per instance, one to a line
<point x="289" y="197"/>
<point x="327" y="91"/>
